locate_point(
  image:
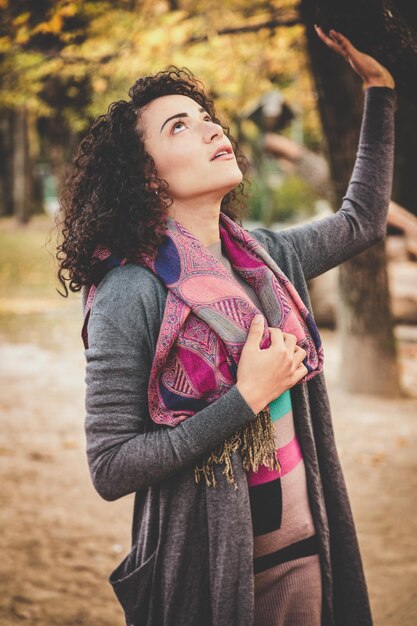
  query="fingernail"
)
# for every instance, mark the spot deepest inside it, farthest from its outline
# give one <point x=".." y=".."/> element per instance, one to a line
<point x="257" y="319"/>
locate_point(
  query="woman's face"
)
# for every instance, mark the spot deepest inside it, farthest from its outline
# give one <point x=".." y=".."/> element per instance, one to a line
<point x="183" y="142"/>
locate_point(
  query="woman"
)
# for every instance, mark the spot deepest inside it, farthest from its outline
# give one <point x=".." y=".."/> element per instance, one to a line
<point x="219" y="424"/>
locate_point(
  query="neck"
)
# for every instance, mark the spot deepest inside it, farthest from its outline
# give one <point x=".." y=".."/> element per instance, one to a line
<point x="202" y="223"/>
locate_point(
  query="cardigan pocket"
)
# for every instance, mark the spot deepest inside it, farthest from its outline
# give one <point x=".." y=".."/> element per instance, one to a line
<point x="132" y="583"/>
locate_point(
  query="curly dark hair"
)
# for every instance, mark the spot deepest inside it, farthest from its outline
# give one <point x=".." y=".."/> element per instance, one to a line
<point x="107" y="198"/>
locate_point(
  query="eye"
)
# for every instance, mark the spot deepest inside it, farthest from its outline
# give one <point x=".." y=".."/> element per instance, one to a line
<point x="174" y="126"/>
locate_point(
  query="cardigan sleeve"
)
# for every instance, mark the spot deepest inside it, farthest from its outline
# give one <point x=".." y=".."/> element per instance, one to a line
<point x="122" y="456"/>
<point x="361" y="220"/>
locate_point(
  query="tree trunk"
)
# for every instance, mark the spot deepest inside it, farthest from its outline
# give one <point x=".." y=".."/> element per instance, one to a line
<point x="405" y="190"/>
<point x="382" y="28"/>
<point x="21" y="166"/>
<point x="6" y="159"/>
<point x="365" y="327"/>
<point x="364" y="319"/>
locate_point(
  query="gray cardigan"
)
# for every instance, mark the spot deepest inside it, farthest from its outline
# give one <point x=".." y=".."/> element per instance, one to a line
<point x="192" y="545"/>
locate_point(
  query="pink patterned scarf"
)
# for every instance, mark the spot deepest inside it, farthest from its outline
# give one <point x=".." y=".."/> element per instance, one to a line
<point x="204" y="328"/>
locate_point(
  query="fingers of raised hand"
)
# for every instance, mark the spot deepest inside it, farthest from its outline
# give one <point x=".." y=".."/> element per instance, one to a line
<point x="327" y="40"/>
<point x="343" y="42"/>
<point x="337" y="42"/>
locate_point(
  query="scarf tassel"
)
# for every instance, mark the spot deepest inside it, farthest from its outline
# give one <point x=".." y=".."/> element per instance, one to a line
<point x="256" y="442"/>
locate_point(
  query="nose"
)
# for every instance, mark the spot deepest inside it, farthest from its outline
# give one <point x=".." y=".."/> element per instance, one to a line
<point x="212" y="130"/>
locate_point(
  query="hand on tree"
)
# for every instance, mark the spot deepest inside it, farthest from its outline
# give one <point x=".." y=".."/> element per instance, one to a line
<point x="372" y="73"/>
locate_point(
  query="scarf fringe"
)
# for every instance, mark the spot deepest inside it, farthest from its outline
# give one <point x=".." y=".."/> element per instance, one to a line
<point x="256" y="442"/>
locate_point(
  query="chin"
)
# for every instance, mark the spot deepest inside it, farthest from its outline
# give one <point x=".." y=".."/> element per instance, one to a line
<point x="233" y="180"/>
<point x="237" y="182"/>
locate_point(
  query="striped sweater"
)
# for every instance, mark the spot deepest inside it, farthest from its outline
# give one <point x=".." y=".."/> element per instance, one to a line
<point x="282" y="523"/>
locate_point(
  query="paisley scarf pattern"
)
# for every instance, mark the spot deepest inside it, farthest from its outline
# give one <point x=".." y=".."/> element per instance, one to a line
<point x="204" y="328"/>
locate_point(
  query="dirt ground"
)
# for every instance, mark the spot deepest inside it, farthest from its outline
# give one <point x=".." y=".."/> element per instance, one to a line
<point x="60" y="540"/>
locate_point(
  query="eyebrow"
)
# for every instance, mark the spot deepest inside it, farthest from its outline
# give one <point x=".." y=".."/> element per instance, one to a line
<point x="200" y="110"/>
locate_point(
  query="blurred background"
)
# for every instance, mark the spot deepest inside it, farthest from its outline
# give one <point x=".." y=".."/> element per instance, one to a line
<point x="295" y="107"/>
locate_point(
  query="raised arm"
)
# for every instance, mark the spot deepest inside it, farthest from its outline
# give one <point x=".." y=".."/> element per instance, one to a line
<point x="361" y="220"/>
<point x="122" y="456"/>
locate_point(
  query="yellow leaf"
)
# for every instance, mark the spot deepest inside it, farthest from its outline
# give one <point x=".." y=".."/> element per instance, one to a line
<point x="4" y="44"/>
<point x="22" y="35"/>
<point x="53" y="26"/>
<point x="68" y="10"/>
<point x="21" y="19"/>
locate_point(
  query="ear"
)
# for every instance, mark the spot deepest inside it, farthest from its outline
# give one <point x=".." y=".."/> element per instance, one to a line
<point x="151" y="176"/>
<point x="153" y="185"/>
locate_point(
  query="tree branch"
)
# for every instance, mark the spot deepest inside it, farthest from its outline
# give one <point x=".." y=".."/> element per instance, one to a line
<point x="251" y="28"/>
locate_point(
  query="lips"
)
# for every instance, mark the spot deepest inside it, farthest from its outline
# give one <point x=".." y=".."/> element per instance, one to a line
<point x="221" y="151"/>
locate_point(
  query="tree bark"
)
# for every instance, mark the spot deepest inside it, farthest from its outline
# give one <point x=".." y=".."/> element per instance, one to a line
<point x="21" y="166"/>
<point x="6" y="159"/>
<point x="382" y="28"/>
<point x="368" y="349"/>
<point x="364" y="322"/>
<point x="405" y="190"/>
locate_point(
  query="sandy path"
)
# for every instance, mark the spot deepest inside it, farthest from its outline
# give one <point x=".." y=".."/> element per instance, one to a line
<point x="60" y="541"/>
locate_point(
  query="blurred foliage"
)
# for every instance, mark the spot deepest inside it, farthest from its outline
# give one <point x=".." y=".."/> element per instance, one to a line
<point x="76" y="57"/>
<point x="30" y="309"/>
<point x="27" y="267"/>
<point x="294" y="198"/>
<point x="291" y="200"/>
<point x="65" y="61"/>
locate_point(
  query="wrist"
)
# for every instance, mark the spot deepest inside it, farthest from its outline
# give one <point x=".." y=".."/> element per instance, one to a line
<point x="255" y="404"/>
<point x="390" y="85"/>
